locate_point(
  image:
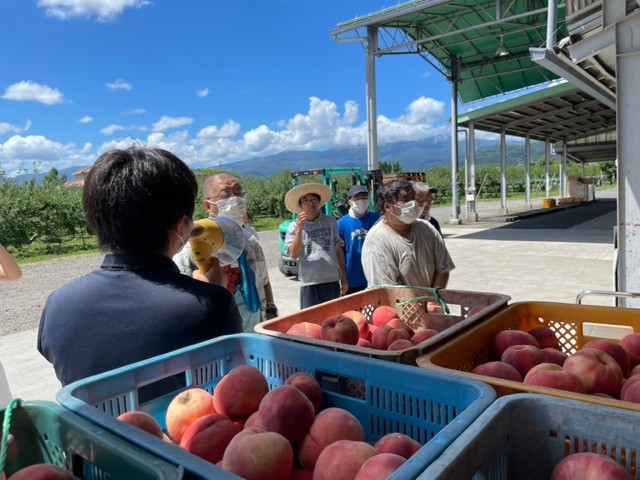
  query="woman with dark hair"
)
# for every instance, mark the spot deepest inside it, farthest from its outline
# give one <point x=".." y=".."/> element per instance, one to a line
<point x="139" y="203"/>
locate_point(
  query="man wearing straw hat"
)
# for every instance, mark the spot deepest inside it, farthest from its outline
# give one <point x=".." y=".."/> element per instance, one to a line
<point x="314" y="240"/>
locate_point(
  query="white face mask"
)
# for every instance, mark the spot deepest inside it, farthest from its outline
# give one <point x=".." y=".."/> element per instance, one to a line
<point x="410" y="212"/>
<point x="234" y="208"/>
<point x="360" y="206"/>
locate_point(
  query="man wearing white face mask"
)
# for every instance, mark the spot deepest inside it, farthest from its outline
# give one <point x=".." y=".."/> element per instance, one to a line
<point x="353" y="229"/>
<point x="248" y="278"/>
<point x="398" y="250"/>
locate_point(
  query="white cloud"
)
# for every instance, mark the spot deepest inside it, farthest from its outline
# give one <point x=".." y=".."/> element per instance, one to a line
<point x="203" y="92"/>
<point x="30" y="91"/>
<point x="103" y="10"/>
<point x="19" y="151"/>
<point x="229" y="129"/>
<point x="323" y="126"/>
<point x="86" y="119"/>
<point x="136" y="111"/>
<point x="9" y="128"/>
<point x="165" y="123"/>
<point x="111" y="129"/>
<point x="119" y="84"/>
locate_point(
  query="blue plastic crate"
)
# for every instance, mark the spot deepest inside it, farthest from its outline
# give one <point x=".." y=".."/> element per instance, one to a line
<point x="44" y="432"/>
<point x="386" y="397"/>
<point x="525" y="436"/>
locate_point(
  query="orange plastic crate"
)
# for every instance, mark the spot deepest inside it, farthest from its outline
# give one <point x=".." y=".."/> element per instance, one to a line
<point x="574" y="325"/>
<point x="410" y="304"/>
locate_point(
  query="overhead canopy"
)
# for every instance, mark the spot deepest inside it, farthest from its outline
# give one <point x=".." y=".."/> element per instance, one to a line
<point x="561" y="113"/>
<point x="469" y="30"/>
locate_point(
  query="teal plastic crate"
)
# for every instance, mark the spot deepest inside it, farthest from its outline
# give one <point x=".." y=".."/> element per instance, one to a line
<point x="526" y="435"/>
<point x="44" y="432"/>
<point x="386" y="397"/>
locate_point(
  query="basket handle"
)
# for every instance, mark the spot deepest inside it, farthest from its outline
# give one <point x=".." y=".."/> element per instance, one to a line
<point x="6" y="437"/>
<point x="607" y="293"/>
<point x="433" y="294"/>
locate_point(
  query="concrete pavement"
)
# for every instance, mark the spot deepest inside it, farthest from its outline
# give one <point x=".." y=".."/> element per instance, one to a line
<point x="542" y="264"/>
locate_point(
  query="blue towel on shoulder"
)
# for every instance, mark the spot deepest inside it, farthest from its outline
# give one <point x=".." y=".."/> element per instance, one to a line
<point x="249" y="290"/>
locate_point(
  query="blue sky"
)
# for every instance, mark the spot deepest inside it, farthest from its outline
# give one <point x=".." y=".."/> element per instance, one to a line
<point x="212" y="81"/>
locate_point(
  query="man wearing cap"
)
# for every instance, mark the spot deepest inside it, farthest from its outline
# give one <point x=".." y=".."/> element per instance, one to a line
<point x="424" y="198"/>
<point x="353" y="228"/>
<point x="314" y="240"/>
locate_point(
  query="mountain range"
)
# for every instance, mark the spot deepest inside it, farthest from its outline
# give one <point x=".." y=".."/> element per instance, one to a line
<point x="418" y="155"/>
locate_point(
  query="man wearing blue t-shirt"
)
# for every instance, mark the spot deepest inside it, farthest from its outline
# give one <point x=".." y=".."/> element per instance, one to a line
<point x="353" y="228"/>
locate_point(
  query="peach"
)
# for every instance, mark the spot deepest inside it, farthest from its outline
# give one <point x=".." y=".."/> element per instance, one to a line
<point x="554" y="376"/>
<point x="254" y="454"/>
<point x="340" y="329"/>
<point x="634" y="371"/>
<point x="523" y="357"/>
<point x="143" y="421"/>
<point x="342" y="460"/>
<point x="631" y="390"/>
<point x="301" y="474"/>
<point x="287" y="411"/>
<point x="382" y="314"/>
<point x="397" y="334"/>
<point x="305" y="329"/>
<point x="400" y="344"/>
<point x="554" y="356"/>
<point x="397" y="443"/>
<point x="631" y="343"/>
<point x="498" y="369"/>
<point x="361" y="322"/>
<point x="589" y="466"/>
<point x="380" y="466"/>
<point x="363" y="342"/>
<point x="254" y="420"/>
<point x="546" y="337"/>
<point x="598" y="371"/>
<point x="397" y="323"/>
<point x="209" y="436"/>
<point x="185" y="408"/>
<point x="423" y="334"/>
<point x="506" y="338"/>
<point x="42" y="471"/>
<point x="614" y="349"/>
<point x="379" y="337"/>
<point x="239" y="393"/>
<point x="330" y="425"/>
<point x="308" y="385"/>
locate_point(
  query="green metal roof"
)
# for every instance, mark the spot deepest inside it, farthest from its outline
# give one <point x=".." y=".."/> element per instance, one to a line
<point x="469" y="30"/>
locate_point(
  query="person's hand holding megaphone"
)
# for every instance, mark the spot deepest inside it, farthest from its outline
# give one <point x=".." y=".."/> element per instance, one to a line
<point x="206" y="239"/>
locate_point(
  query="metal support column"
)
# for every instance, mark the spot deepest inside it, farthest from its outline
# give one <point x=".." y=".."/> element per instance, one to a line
<point x="455" y="197"/>
<point x="471" y="192"/>
<point x="547" y="161"/>
<point x="372" y="109"/>
<point x="503" y="170"/>
<point x="627" y="119"/>
<point x="527" y="170"/>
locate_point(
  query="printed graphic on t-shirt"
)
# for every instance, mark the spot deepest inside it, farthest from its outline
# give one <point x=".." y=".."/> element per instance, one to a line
<point x="359" y="233"/>
<point x="319" y="244"/>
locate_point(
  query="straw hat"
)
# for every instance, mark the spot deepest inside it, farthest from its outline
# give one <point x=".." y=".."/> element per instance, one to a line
<point x="293" y="196"/>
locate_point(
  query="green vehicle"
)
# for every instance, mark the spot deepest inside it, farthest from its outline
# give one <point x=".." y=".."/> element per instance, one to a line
<point x="340" y="180"/>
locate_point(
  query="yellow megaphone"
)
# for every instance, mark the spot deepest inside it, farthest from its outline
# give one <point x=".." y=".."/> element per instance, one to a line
<point x="222" y="238"/>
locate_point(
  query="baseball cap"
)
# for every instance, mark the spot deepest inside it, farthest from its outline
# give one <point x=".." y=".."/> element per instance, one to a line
<point x="356" y="189"/>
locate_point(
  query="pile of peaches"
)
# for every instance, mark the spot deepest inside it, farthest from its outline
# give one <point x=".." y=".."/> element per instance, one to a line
<point x="278" y="434"/>
<point x="601" y="367"/>
<point x="385" y="332"/>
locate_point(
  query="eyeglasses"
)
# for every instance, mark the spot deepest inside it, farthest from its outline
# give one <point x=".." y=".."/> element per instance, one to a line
<point x="309" y="200"/>
<point x="228" y="193"/>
